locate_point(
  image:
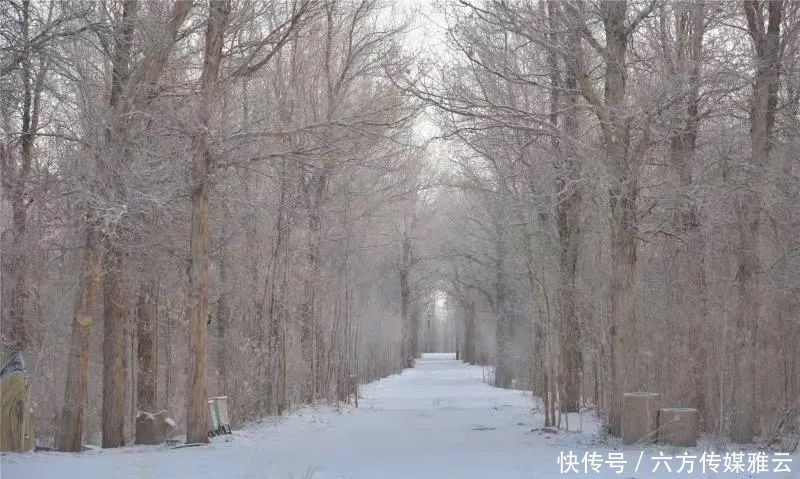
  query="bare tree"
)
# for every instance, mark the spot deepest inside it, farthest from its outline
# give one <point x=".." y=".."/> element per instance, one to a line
<point x="202" y="164"/>
<point x="16" y="178"/>
<point x="767" y="41"/>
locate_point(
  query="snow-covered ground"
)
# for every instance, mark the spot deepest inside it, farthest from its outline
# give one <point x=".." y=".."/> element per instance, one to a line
<point x="439" y="420"/>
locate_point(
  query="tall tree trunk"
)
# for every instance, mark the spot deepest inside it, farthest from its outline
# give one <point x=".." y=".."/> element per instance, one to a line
<point x="540" y="321"/>
<point x="689" y="31"/>
<point x="146" y="326"/>
<point x="308" y="325"/>
<point x="15" y="178"/>
<point x="624" y="225"/>
<point x="223" y="317"/>
<point x="786" y="189"/>
<point x="14" y="284"/>
<point x="409" y="311"/>
<point x="310" y="331"/>
<point x="571" y="356"/>
<point x="504" y="327"/>
<point x="276" y="308"/>
<point x="124" y="97"/>
<point x="622" y="308"/>
<point x="405" y="314"/>
<point x="567" y="214"/>
<point x="168" y="354"/>
<point x="115" y="313"/>
<point x="469" y="332"/>
<point x="71" y="432"/>
<point x="623" y="166"/>
<point x="748" y="210"/>
<point x="202" y="163"/>
<point x="113" y="409"/>
<point x="410" y="331"/>
<point x="414" y="332"/>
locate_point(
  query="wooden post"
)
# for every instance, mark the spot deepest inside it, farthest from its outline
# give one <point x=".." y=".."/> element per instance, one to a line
<point x="677" y="426"/>
<point x="639" y="417"/>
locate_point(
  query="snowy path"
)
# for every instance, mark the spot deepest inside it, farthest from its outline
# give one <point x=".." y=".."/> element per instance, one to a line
<point x="438" y="420"/>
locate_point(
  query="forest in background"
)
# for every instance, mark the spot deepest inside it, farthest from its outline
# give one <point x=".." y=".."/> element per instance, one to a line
<point x="278" y="200"/>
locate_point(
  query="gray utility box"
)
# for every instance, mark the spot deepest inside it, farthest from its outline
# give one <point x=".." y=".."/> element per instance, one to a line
<point x="218" y="420"/>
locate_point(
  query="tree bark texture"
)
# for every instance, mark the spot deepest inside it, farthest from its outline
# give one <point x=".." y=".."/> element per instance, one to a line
<point x="115" y="313"/>
<point x="202" y="163"/>
<point x="146" y="351"/>
<point x="766" y="40"/>
<point x="71" y="431"/>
